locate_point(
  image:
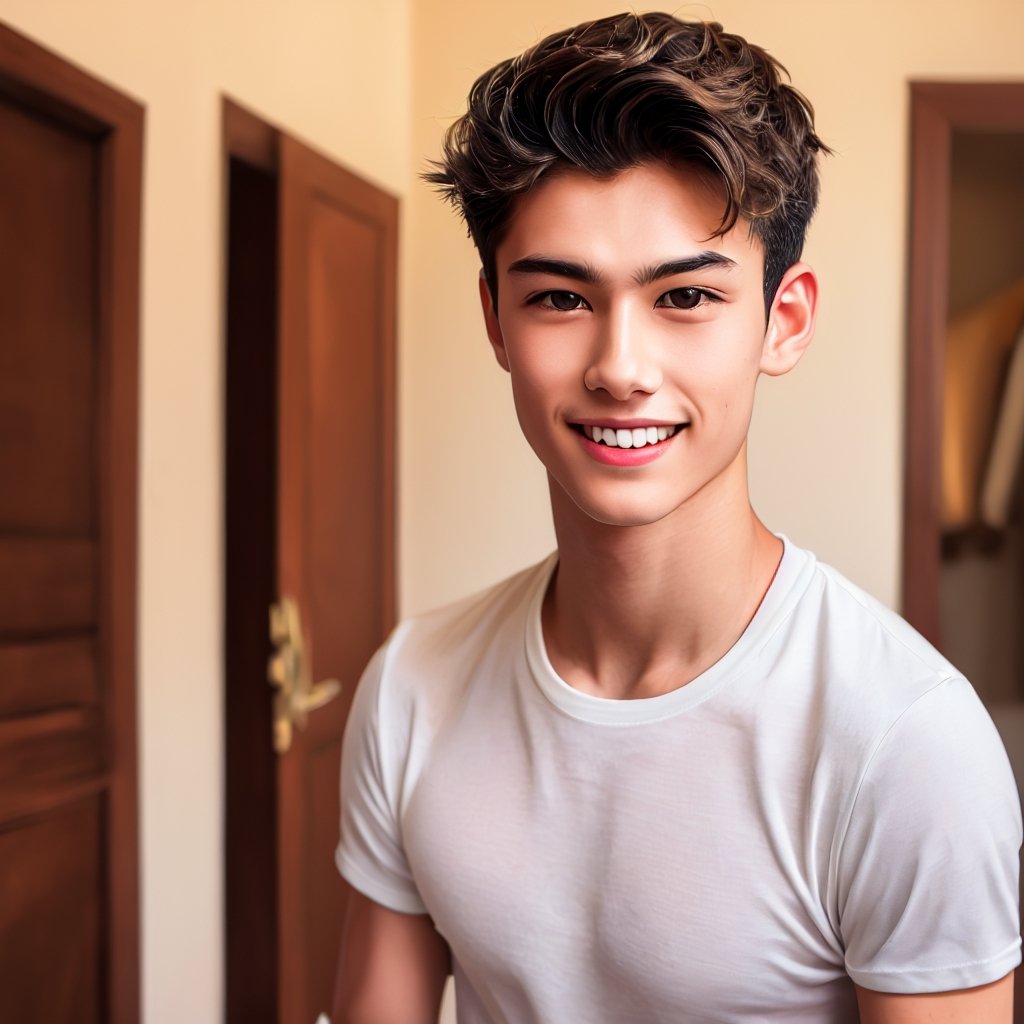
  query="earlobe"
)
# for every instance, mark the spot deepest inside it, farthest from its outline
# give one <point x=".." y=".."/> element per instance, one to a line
<point x="491" y="321"/>
<point x="791" y="320"/>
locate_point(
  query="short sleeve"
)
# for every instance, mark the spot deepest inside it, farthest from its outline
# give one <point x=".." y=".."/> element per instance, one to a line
<point x="927" y="872"/>
<point x="369" y="853"/>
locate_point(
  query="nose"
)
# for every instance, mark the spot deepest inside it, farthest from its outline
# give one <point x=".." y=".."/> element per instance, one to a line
<point x="622" y="361"/>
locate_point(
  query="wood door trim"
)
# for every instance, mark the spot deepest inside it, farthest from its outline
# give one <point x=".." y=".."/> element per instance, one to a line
<point x="38" y="78"/>
<point x="248" y="137"/>
<point x="937" y="109"/>
<point x="45" y="81"/>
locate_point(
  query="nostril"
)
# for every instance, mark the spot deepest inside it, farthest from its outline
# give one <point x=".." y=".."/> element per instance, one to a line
<point x="621" y="380"/>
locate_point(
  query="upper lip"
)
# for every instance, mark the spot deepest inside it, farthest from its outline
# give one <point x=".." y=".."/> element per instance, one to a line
<point x="630" y="424"/>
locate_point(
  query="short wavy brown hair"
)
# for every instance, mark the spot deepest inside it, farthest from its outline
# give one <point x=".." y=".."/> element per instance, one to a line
<point x="610" y="94"/>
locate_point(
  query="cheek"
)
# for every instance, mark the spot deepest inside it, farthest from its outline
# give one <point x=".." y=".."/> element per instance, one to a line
<point x="542" y="371"/>
<point x="721" y="381"/>
<point x="534" y="405"/>
<point x="539" y="351"/>
<point x="728" y="358"/>
<point x="724" y="381"/>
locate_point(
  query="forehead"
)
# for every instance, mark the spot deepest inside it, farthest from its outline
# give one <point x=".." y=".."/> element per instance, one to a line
<point x="647" y="213"/>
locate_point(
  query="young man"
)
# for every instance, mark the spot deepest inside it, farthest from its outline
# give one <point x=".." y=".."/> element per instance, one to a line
<point x="680" y="771"/>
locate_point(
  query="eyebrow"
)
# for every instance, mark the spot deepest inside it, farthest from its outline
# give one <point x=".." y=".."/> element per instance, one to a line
<point x="558" y="268"/>
<point x="702" y="261"/>
<point x="590" y="275"/>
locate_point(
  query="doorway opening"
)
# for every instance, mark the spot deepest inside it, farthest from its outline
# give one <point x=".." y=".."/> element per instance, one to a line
<point x="963" y="537"/>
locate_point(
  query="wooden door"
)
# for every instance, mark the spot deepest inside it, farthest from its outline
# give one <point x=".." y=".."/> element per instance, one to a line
<point x="70" y="181"/>
<point x="335" y="524"/>
<point x="328" y="530"/>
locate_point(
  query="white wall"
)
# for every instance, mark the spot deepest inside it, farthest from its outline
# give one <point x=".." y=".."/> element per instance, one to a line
<point x="826" y="449"/>
<point x="337" y="74"/>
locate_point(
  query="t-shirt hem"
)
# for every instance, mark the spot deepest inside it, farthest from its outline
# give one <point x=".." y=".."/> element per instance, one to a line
<point x="943" y="979"/>
<point x="368" y="885"/>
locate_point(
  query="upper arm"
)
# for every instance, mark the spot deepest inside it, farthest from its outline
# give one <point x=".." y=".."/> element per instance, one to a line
<point x="392" y="967"/>
<point x="991" y="1003"/>
<point x="926" y="891"/>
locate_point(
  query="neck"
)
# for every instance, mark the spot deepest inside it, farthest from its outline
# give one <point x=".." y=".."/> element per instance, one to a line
<point x="635" y="611"/>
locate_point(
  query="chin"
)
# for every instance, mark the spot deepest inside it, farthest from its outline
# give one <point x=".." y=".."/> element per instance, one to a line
<point x="623" y="513"/>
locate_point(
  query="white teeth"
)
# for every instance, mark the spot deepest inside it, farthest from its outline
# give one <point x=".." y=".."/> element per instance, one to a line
<point x="637" y="437"/>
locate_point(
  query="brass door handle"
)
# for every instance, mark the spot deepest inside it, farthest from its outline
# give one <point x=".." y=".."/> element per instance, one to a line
<point x="288" y="671"/>
<point x="321" y="693"/>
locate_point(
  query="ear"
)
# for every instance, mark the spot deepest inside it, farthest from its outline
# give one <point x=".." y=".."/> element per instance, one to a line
<point x="497" y="339"/>
<point x="790" y="320"/>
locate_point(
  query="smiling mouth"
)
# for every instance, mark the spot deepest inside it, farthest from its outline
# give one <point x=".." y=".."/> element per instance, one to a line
<point x="636" y="437"/>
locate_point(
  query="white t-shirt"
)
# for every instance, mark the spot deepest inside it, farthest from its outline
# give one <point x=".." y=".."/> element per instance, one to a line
<point x="828" y="802"/>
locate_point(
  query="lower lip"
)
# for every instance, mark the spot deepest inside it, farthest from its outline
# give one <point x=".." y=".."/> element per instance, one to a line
<point x="626" y="457"/>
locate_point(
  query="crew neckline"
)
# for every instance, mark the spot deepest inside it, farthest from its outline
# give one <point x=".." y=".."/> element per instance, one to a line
<point x="792" y="577"/>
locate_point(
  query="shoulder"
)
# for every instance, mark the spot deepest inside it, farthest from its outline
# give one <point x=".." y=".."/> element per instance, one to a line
<point x="858" y="617"/>
<point x="873" y="664"/>
<point x="865" y="690"/>
<point x="430" y="658"/>
<point x="493" y="615"/>
<point x="415" y="684"/>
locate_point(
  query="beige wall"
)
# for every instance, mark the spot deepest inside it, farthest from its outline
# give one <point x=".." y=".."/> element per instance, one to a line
<point x="826" y="446"/>
<point x="306" y="64"/>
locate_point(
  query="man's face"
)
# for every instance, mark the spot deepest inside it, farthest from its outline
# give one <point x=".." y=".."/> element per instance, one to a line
<point x="634" y="339"/>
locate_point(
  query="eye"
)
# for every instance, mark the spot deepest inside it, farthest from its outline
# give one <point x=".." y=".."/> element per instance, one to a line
<point x="564" y="302"/>
<point x="685" y="298"/>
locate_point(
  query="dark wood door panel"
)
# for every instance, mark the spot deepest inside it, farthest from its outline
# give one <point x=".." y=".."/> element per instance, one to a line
<point x="52" y="871"/>
<point x="348" y="443"/>
<point x="48" y="308"/>
<point x="48" y="674"/>
<point x="48" y="586"/>
<point x="45" y="757"/>
<point x="323" y="897"/>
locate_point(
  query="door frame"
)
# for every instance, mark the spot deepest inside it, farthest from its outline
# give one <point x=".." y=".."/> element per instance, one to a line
<point x="937" y="109"/>
<point x="36" y="78"/>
